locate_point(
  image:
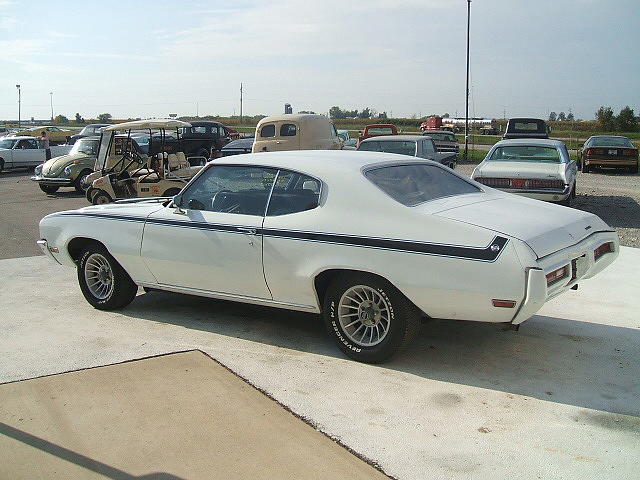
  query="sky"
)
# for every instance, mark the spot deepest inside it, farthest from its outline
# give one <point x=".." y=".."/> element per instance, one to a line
<point x="150" y="58"/>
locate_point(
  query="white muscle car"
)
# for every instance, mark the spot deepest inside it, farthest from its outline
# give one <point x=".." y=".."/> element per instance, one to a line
<point x="372" y="241"/>
<point x="26" y="152"/>
<point x="534" y="168"/>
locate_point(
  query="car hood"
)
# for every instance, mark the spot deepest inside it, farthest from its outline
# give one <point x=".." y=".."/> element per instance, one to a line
<point x="55" y="165"/>
<point x="504" y="169"/>
<point x="141" y="209"/>
<point x="545" y="227"/>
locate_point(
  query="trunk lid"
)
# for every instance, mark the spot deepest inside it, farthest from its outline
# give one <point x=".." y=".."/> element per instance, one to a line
<point x="545" y="227"/>
<point x="536" y="170"/>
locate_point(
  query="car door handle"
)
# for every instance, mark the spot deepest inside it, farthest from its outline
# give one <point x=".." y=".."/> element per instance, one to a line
<point x="250" y="231"/>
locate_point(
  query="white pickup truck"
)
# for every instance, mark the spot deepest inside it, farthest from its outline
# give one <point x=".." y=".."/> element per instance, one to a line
<point x="26" y="152"/>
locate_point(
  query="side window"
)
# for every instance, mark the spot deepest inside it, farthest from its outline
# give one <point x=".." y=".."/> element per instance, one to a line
<point x="31" y="144"/>
<point x="288" y="130"/>
<point x="427" y="146"/>
<point x="199" y="130"/>
<point x="268" y="131"/>
<point x="294" y="192"/>
<point x="241" y="190"/>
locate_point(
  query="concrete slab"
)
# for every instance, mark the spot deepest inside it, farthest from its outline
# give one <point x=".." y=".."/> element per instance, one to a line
<point x="558" y="399"/>
<point x="179" y="416"/>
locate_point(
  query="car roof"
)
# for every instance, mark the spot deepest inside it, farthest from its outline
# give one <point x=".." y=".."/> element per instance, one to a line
<point x="427" y="132"/>
<point x="148" y="124"/>
<point x="607" y="136"/>
<point x="541" y="142"/>
<point x="320" y="163"/>
<point x="394" y="138"/>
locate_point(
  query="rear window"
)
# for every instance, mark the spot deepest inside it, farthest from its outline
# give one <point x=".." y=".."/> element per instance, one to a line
<point x="380" y="131"/>
<point x="443" y="137"/>
<point x="415" y="184"/>
<point x="610" y="142"/>
<point x="401" y="147"/>
<point x="527" y="126"/>
<point x="526" y="154"/>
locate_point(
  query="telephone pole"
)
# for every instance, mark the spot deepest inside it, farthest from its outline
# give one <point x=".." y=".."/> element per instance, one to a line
<point x="466" y="115"/>
<point x="240" y="103"/>
<point x="51" y="95"/>
<point x="18" y="87"/>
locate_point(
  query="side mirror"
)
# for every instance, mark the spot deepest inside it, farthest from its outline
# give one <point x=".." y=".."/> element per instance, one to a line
<point x="177" y="200"/>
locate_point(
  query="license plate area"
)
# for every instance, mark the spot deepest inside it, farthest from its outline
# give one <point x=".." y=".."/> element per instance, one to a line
<point x="612" y="152"/>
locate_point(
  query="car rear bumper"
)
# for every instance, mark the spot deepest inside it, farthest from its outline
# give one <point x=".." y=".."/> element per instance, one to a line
<point x="611" y="162"/>
<point x="582" y="263"/>
<point x="546" y="195"/>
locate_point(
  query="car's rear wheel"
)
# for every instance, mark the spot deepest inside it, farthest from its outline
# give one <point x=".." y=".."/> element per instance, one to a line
<point x="79" y="184"/>
<point x="49" y="189"/>
<point x="1" y="165"/>
<point x="585" y="167"/>
<point x="101" y="197"/>
<point x="104" y="283"/>
<point x="369" y="319"/>
<point x="633" y="169"/>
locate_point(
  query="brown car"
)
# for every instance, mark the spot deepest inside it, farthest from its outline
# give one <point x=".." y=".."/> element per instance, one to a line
<point x="609" y="151"/>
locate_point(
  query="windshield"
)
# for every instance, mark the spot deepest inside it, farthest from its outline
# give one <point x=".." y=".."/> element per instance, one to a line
<point x="414" y="184"/>
<point x="526" y="153"/>
<point x="7" y="143"/>
<point x="91" y="130"/>
<point x="88" y="146"/>
<point x="442" y="137"/>
<point x="405" y="147"/>
<point x="610" y="142"/>
<point x="526" y="126"/>
<point x="380" y="131"/>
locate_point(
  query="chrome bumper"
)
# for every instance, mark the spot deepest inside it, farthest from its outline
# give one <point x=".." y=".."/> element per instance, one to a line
<point x="52" y="180"/>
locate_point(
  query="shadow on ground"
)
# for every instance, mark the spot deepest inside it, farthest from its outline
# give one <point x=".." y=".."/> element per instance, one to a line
<point x="575" y="363"/>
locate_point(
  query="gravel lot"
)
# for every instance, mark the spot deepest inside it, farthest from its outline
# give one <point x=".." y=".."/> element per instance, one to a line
<point x="615" y="197"/>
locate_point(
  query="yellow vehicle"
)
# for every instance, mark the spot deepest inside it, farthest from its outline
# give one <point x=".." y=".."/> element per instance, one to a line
<point x="143" y="160"/>
<point x="55" y="134"/>
<point x="296" y="132"/>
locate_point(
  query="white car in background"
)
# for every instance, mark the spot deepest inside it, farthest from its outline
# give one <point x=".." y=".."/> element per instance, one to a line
<point x="372" y="241"/>
<point x="540" y="169"/>
<point x="26" y="152"/>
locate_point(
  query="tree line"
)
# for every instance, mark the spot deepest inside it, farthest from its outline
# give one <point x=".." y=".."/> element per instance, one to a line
<point x="625" y="121"/>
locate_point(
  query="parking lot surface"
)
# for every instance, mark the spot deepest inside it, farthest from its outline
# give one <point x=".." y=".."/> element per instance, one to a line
<point x="615" y="197"/>
<point x="559" y="399"/>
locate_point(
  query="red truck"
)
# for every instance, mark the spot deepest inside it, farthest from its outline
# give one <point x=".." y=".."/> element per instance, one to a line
<point x="377" y="130"/>
<point x="432" y="123"/>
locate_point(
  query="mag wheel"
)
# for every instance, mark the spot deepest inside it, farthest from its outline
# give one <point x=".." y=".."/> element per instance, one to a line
<point x="79" y="184"/>
<point x="103" y="282"/>
<point x="368" y="318"/>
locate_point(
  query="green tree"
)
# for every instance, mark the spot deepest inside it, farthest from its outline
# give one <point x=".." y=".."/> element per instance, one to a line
<point x="336" y="112"/>
<point x="104" y="118"/>
<point x="553" y="117"/>
<point x="79" y="119"/>
<point x="605" y="118"/>
<point x="562" y="117"/>
<point x="570" y="117"/>
<point x="60" y="120"/>
<point x="365" y="113"/>
<point x="382" y="115"/>
<point x="626" y="120"/>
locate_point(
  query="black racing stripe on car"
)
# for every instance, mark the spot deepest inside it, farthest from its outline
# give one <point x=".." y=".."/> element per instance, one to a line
<point x="488" y="254"/>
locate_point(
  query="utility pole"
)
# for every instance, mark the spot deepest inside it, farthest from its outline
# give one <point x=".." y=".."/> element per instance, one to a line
<point x="466" y="106"/>
<point x="18" y="87"/>
<point x="240" y="103"/>
<point x="51" y="95"/>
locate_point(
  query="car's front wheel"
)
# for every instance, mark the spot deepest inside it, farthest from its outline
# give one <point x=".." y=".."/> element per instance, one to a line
<point x="369" y="319"/>
<point x="100" y="198"/>
<point x="49" y="189"/>
<point x="104" y="283"/>
<point x="79" y="182"/>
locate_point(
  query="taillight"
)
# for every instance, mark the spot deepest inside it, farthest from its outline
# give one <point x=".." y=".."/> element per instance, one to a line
<point x="557" y="275"/>
<point x="630" y="152"/>
<point x="494" y="182"/>
<point x="602" y="249"/>
<point x="589" y="151"/>
<point x="545" y="183"/>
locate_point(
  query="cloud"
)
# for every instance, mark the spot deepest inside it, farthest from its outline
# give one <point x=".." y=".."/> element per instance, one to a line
<point x="56" y="34"/>
<point x="8" y="23"/>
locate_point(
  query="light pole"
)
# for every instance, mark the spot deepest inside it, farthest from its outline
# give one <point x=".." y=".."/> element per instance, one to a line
<point x="18" y="87"/>
<point x="466" y="99"/>
<point x="51" y="95"/>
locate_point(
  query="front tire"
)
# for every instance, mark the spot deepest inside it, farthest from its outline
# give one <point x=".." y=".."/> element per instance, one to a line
<point x="101" y="198"/>
<point x="103" y="282"/>
<point x="49" y="189"/>
<point x="368" y="318"/>
<point x="79" y="184"/>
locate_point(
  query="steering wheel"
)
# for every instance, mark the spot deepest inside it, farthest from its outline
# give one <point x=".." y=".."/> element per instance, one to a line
<point x="215" y="195"/>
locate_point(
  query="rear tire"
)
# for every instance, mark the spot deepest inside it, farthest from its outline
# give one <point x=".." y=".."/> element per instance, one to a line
<point x="49" y="189"/>
<point x="585" y="168"/>
<point x="101" y="197"/>
<point x="1" y="165"/>
<point x="103" y="282"/>
<point x="368" y="318"/>
<point x="634" y="170"/>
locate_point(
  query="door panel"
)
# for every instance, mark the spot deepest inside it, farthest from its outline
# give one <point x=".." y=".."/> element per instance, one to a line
<point x="203" y="250"/>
